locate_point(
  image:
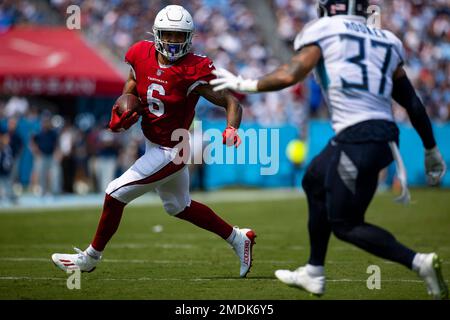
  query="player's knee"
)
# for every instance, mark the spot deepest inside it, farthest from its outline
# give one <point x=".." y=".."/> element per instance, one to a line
<point x="174" y="203"/>
<point x="173" y="209"/>
<point x="341" y="230"/>
<point x="308" y="182"/>
<point x="111" y="187"/>
<point x="113" y="190"/>
<point x="311" y="184"/>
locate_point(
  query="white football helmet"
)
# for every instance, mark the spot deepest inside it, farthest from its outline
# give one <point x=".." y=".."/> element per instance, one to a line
<point x="173" y="18"/>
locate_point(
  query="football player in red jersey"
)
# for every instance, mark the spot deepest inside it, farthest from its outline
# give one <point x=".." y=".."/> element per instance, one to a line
<point x="170" y="79"/>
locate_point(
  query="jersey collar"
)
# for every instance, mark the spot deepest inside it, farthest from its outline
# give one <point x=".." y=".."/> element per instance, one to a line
<point x="164" y="66"/>
<point x="352" y="17"/>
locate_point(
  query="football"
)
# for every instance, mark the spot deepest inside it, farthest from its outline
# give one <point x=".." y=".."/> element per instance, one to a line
<point x="129" y="102"/>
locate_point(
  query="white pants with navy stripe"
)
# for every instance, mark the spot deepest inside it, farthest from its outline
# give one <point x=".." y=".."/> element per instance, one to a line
<point x="154" y="171"/>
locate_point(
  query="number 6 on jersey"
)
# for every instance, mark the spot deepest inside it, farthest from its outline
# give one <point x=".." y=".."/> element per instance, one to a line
<point x="155" y="105"/>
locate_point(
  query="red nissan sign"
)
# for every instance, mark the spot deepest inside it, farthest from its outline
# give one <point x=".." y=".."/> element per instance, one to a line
<point x="53" y="61"/>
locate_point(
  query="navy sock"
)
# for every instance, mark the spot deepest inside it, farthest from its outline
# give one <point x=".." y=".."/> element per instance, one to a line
<point x="319" y="231"/>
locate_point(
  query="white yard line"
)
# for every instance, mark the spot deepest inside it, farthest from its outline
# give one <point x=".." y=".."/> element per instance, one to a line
<point x="143" y="261"/>
<point x="112" y="246"/>
<point x="15" y="278"/>
<point x="137" y="246"/>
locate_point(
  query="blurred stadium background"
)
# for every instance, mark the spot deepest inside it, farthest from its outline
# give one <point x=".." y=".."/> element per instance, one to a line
<point x="57" y="87"/>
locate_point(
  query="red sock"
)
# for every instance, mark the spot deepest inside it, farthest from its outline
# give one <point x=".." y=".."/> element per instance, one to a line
<point x="109" y="222"/>
<point x="205" y="218"/>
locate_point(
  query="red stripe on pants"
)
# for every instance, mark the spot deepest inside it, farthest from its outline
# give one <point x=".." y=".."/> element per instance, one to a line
<point x="166" y="171"/>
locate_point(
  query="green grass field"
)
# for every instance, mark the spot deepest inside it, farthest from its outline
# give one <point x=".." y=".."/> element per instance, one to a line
<point x="183" y="262"/>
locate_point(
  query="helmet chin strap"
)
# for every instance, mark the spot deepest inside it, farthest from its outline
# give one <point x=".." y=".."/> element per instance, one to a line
<point x="171" y="51"/>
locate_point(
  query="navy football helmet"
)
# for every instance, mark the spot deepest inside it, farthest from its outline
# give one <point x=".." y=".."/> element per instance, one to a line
<point x="328" y="8"/>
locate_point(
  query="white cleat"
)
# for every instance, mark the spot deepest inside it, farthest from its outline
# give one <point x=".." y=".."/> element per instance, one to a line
<point x="243" y="245"/>
<point x="81" y="260"/>
<point x="430" y="272"/>
<point x="300" y="278"/>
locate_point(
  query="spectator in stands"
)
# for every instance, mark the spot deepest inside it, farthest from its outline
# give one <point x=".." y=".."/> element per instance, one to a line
<point x="16" y="106"/>
<point x="44" y="147"/>
<point x="6" y="165"/>
<point x="17" y="146"/>
<point x="106" y="159"/>
<point x="82" y="183"/>
<point x="68" y="165"/>
<point x="15" y="12"/>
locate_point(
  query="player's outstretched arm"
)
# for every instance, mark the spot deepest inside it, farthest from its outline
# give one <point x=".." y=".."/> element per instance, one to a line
<point x="289" y="74"/>
<point x="284" y="76"/>
<point x="226" y="100"/>
<point x="404" y="93"/>
<point x="223" y="99"/>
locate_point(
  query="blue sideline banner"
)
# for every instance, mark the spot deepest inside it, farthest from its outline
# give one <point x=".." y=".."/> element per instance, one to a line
<point x="249" y="175"/>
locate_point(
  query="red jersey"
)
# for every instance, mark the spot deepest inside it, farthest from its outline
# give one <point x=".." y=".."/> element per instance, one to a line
<point x="167" y="90"/>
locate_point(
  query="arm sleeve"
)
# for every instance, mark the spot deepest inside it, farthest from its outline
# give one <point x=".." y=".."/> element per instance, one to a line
<point x="404" y="93"/>
<point x="312" y="34"/>
<point x="205" y="71"/>
<point x="202" y="75"/>
<point x="130" y="56"/>
<point x="401" y="53"/>
<point x="398" y="47"/>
